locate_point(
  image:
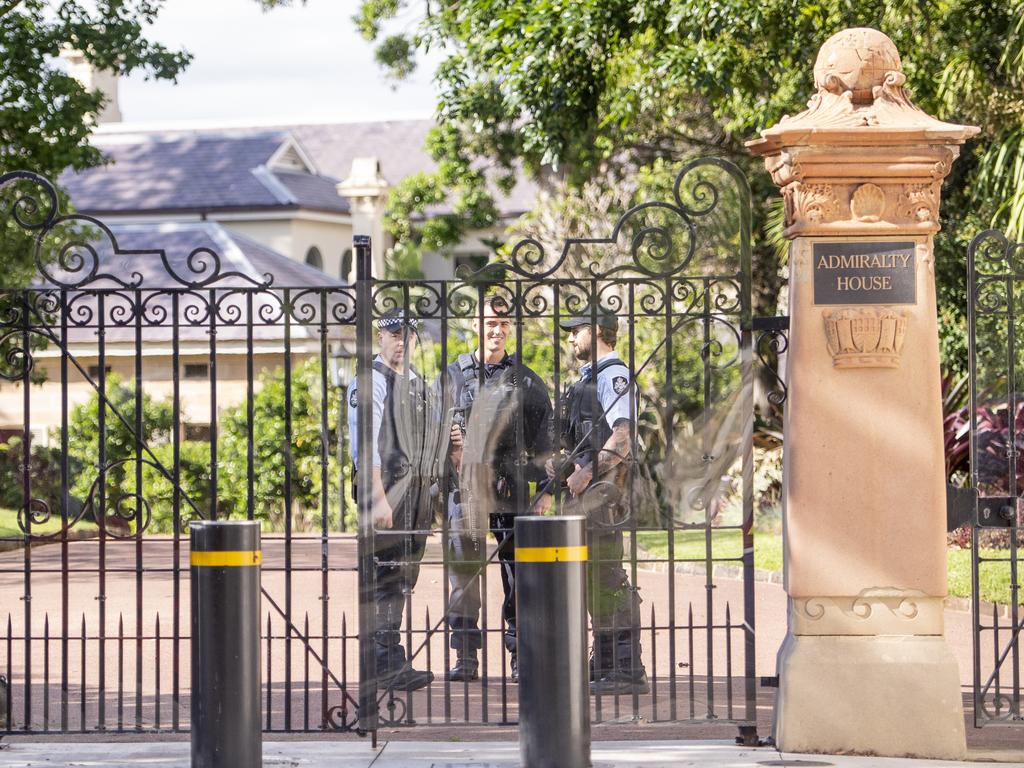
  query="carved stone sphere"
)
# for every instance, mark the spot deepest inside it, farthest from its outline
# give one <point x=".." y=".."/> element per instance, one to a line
<point x="856" y="61"/>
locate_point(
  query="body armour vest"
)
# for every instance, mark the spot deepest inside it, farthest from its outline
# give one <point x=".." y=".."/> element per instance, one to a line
<point x="402" y="442"/>
<point x="584" y="425"/>
<point x="489" y="417"/>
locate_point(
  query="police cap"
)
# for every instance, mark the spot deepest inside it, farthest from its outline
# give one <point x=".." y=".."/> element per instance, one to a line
<point x="605" y="319"/>
<point x="395" y="318"/>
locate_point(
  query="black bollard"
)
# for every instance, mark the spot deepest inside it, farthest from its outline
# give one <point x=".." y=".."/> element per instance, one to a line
<point x="226" y="708"/>
<point x="551" y="614"/>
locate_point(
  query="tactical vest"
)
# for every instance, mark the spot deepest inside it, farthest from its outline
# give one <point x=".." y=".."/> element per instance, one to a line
<point x="468" y="383"/>
<point x="401" y="439"/>
<point x="500" y="403"/>
<point x="584" y="425"/>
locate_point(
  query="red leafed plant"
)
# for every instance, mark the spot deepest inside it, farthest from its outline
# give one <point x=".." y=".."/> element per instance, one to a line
<point x="997" y="435"/>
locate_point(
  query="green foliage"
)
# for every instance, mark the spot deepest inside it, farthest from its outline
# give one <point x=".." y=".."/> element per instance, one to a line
<point x="193" y="485"/>
<point x="274" y="453"/>
<point x="156" y="465"/>
<point x="44" y="479"/>
<point x="45" y="114"/>
<point x="567" y="91"/>
<point x="123" y="440"/>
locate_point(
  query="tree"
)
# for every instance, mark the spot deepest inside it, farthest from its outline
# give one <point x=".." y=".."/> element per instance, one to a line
<point x="46" y="115"/>
<point x="274" y="455"/>
<point x="598" y="89"/>
<point x="130" y="444"/>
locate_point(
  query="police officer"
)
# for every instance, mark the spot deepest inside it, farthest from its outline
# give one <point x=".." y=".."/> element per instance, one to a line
<point x="600" y="413"/>
<point x="488" y="441"/>
<point x="402" y="433"/>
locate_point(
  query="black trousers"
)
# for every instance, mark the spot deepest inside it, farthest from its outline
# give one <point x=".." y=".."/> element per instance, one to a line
<point x="613" y="604"/>
<point x="398" y="568"/>
<point x="464" y="571"/>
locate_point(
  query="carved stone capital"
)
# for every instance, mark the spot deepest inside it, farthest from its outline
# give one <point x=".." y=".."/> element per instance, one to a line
<point x="880" y="611"/>
<point x="835" y="194"/>
<point x="861" y="159"/>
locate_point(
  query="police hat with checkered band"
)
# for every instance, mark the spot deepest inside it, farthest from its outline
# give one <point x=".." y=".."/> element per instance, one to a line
<point x="394" y="319"/>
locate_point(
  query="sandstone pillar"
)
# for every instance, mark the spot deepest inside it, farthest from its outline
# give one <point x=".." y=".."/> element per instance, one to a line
<point x="865" y="666"/>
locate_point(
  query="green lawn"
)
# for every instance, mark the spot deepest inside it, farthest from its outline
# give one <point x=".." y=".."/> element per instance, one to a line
<point x="9" y="525"/>
<point x="727" y="543"/>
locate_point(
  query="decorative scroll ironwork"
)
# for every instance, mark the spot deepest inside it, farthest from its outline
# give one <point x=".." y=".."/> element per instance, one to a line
<point x="77" y="260"/>
<point x="653" y="249"/>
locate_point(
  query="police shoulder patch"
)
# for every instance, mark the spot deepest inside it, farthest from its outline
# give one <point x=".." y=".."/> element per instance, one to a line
<point x="620" y="384"/>
<point x="352" y="398"/>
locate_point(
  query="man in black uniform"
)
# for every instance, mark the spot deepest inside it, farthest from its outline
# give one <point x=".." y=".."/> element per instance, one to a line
<point x="600" y="412"/>
<point x="403" y="432"/>
<point x="494" y="453"/>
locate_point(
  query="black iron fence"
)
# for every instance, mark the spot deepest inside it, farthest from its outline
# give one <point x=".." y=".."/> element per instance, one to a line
<point x="151" y="378"/>
<point x="995" y="274"/>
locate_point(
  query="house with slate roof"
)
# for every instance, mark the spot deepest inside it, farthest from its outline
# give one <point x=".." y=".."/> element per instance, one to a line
<point x="159" y="251"/>
<point x="301" y="190"/>
<point x="282" y="200"/>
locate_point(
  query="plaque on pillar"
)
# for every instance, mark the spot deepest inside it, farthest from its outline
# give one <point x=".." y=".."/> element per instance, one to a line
<point x="865" y="667"/>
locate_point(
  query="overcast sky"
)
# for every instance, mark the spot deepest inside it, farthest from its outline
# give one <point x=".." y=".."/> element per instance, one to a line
<point x="286" y="65"/>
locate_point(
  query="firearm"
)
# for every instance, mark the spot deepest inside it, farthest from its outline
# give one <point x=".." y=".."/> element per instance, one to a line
<point x="459" y="419"/>
<point x="565" y="465"/>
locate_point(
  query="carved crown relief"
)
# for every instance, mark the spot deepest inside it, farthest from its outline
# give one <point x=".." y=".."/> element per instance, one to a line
<point x="865" y="337"/>
<point x="862" y="158"/>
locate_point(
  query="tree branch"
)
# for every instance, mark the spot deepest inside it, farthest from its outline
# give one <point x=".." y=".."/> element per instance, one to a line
<point x="7" y="7"/>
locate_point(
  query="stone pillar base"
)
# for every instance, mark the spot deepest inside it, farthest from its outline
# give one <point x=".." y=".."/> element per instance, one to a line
<point x="887" y="695"/>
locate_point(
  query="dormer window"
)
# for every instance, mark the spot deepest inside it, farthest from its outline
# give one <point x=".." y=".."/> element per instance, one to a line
<point x="290" y="156"/>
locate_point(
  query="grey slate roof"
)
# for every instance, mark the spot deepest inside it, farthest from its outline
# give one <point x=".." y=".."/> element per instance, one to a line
<point x="196" y="171"/>
<point x="399" y="145"/>
<point x="179" y="170"/>
<point x="178" y="241"/>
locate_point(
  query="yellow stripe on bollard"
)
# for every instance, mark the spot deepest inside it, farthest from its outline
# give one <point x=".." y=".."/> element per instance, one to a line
<point x="226" y="559"/>
<point x="551" y="554"/>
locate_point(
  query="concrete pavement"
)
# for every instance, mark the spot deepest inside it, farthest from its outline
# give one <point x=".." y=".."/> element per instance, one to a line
<point x="409" y="754"/>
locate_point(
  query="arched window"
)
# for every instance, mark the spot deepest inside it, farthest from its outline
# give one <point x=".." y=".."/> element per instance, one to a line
<point x="346" y="264"/>
<point x="314" y="259"/>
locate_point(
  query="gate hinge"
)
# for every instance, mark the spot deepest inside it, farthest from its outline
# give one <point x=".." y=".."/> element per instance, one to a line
<point x="770" y="682"/>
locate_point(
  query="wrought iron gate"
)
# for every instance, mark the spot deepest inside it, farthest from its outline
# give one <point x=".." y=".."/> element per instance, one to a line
<point x="676" y="277"/>
<point x="149" y="377"/>
<point x="995" y="284"/>
<point x="153" y="376"/>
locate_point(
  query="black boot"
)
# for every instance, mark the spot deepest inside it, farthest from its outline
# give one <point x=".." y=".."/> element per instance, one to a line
<point x="395" y="672"/>
<point x="510" y="640"/>
<point x="467" y="667"/>
<point x="602" y="655"/>
<point x="626" y="675"/>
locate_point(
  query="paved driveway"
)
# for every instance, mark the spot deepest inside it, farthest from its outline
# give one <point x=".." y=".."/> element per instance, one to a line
<point x="135" y="678"/>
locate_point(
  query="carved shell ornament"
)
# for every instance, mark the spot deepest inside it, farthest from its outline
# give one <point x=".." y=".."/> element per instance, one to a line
<point x="868" y="203"/>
